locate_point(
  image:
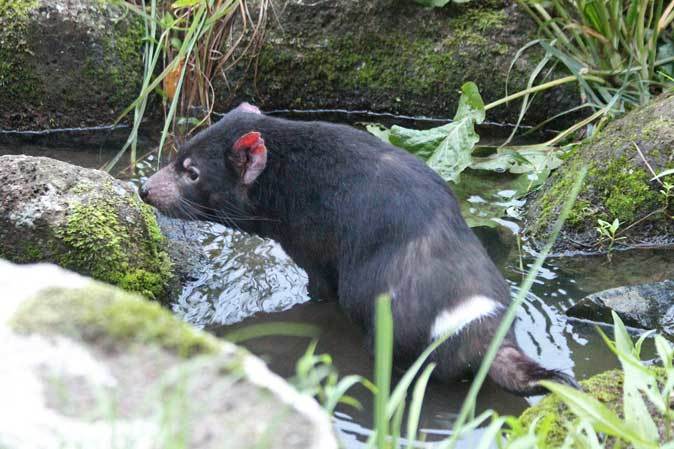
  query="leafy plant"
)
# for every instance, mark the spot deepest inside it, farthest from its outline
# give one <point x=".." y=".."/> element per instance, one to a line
<point x="196" y="40"/>
<point x="447" y="149"/>
<point x="622" y="48"/>
<point x="317" y="376"/>
<point x="451" y="149"/>
<point x="646" y="395"/>
<point x="607" y="232"/>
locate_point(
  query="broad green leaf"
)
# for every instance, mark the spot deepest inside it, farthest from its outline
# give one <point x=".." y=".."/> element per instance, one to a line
<point x="447" y="148"/>
<point x="470" y="104"/>
<point x="380" y="131"/>
<point x="602" y="419"/>
<point x="453" y="155"/>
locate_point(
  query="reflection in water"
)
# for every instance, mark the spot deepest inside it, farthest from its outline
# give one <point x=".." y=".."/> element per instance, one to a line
<point x="243" y="275"/>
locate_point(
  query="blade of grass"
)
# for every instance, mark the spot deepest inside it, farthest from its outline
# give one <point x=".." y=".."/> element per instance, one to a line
<point x="383" y="362"/>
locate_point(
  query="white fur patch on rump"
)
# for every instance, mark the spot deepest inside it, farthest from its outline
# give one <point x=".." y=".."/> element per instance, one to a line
<point x="453" y="320"/>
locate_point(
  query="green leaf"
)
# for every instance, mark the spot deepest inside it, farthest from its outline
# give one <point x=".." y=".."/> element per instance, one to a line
<point x="663" y="174"/>
<point x="417" y="402"/>
<point x="185" y="3"/>
<point x="637" y="379"/>
<point x="447" y="148"/>
<point x="380" y="131"/>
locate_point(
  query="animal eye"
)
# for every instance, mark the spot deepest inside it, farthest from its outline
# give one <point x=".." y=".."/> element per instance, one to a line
<point x="192" y="173"/>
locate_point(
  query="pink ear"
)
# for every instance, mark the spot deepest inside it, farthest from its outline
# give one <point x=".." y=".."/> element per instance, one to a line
<point x="247" y="107"/>
<point x="251" y="156"/>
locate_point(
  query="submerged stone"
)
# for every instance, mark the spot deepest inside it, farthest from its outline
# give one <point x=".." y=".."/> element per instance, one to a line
<point x="85" y="364"/>
<point x="83" y="220"/>
<point x="646" y="306"/>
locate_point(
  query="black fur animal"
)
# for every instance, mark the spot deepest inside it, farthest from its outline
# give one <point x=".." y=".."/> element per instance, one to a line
<point x="362" y="218"/>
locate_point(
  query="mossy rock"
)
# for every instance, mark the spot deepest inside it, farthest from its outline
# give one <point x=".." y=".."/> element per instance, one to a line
<point x="393" y="56"/>
<point x="67" y="63"/>
<point x="97" y="363"/>
<point x="618" y="184"/>
<point x="555" y="417"/>
<point x="83" y="220"/>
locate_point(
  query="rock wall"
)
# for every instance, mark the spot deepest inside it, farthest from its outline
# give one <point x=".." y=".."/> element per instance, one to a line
<point x="67" y="63"/>
<point x="73" y="63"/>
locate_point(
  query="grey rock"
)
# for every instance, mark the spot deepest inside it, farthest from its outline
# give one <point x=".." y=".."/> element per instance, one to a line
<point x="85" y="364"/>
<point x="646" y="306"/>
<point x="618" y="185"/>
<point x="81" y="219"/>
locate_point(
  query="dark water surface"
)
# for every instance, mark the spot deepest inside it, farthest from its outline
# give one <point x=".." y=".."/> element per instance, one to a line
<point x="245" y="280"/>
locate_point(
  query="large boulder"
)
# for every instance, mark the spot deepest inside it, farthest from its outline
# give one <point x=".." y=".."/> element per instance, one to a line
<point x="83" y="220"/>
<point x="67" y="63"/>
<point x="93" y="366"/>
<point x="618" y="185"/>
<point x="645" y="306"/>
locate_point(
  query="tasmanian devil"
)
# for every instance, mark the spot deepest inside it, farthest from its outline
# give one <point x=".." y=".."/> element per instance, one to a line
<point x="362" y="218"/>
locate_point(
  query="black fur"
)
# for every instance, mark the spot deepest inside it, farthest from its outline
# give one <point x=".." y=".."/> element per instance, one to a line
<point x="362" y="218"/>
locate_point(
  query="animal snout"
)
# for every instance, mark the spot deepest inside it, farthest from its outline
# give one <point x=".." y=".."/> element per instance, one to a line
<point x="144" y="191"/>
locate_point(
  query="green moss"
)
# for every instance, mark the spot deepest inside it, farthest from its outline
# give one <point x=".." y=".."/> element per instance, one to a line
<point x="554" y="418"/>
<point x="625" y="190"/>
<point x="113" y="250"/>
<point x="606" y="387"/>
<point x="549" y="204"/>
<point x="16" y="77"/>
<point x="394" y="65"/>
<point x="101" y="313"/>
<point x="118" y="68"/>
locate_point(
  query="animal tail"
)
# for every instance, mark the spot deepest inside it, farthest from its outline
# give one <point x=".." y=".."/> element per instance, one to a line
<point x="517" y="373"/>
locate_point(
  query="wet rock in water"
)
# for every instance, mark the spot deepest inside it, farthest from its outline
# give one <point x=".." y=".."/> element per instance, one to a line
<point x="618" y="185"/>
<point x="646" y="306"/>
<point x="85" y="364"/>
<point x="83" y="220"/>
<point x="189" y="259"/>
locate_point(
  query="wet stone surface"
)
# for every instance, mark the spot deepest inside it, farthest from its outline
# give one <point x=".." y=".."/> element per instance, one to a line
<point x="645" y="306"/>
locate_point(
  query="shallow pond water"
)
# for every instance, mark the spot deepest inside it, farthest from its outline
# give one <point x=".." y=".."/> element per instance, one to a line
<point x="244" y="280"/>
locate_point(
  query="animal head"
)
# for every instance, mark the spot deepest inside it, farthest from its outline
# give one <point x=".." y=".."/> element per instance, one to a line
<point x="210" y="177"/>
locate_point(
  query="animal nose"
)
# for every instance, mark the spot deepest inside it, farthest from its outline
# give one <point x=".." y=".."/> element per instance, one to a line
<point x="143" y="191"/>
